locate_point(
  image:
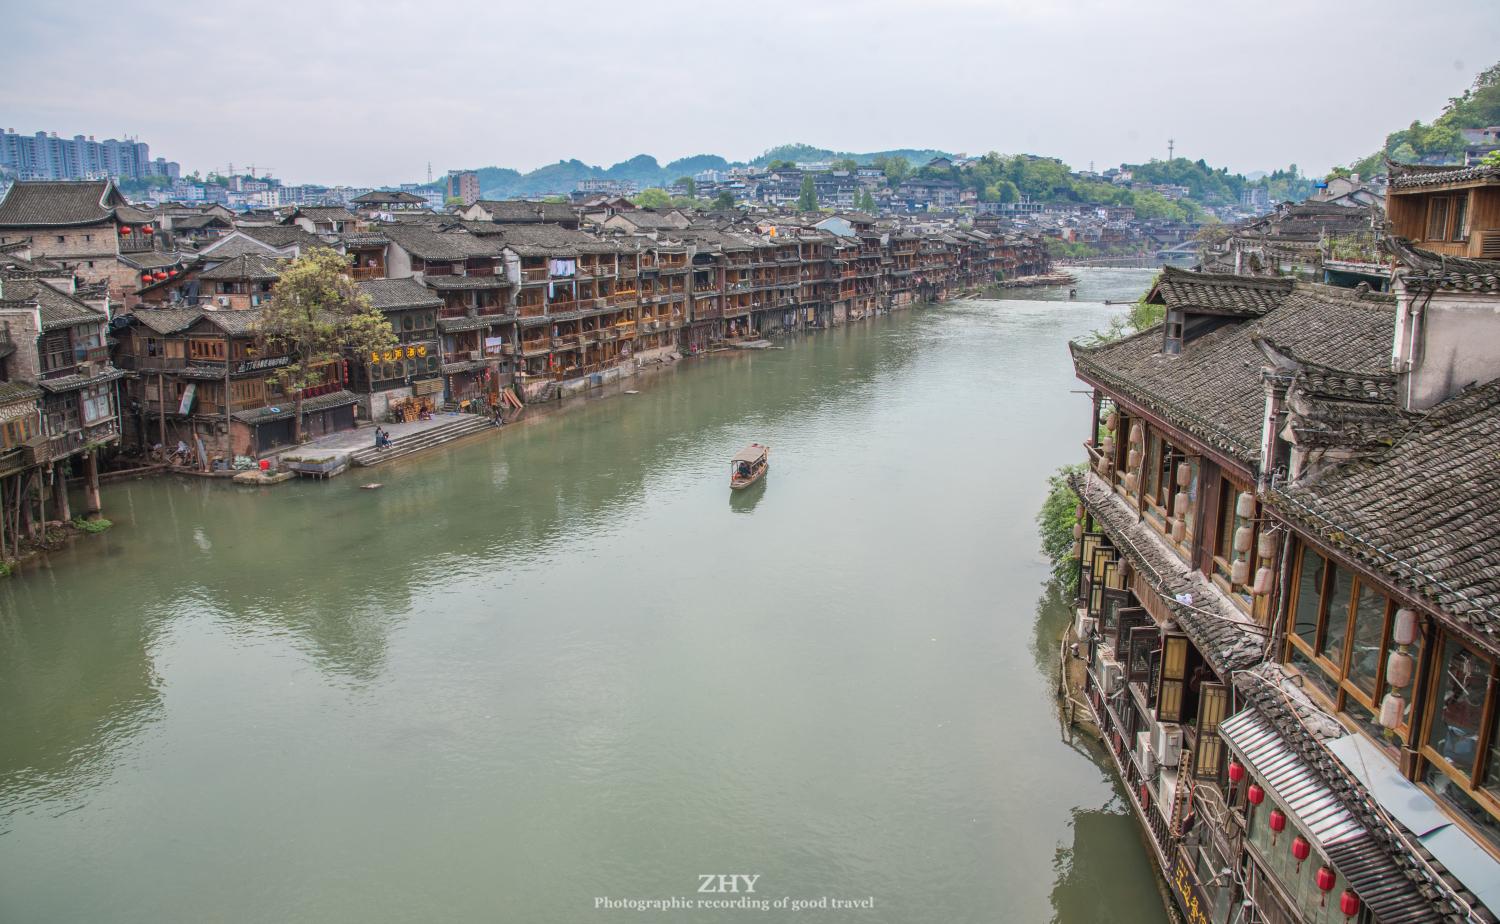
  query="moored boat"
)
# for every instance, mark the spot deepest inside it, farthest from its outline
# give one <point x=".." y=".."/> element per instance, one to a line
<point x="749" y="466"/>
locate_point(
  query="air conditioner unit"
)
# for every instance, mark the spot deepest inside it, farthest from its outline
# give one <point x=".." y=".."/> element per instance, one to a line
<point x="1114" y="679"/>
<point x="1143" y="755"/>
<point x="223" y="301"/>
<point x="1086" y="627"/>
<point x="1166" y="742"/>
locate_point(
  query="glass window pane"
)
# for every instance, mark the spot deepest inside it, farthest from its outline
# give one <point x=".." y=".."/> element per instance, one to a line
<point x="1337" y="616"/>
<point x="1491" y="778"/>
<point x="1369" y="629"/>
<point x="1225" y="547"/>
<point x="1314" y="673"/>
<point x="1309" y="585"/>
<point x="1462" y="680"/>
<point x="1451" y="793"/>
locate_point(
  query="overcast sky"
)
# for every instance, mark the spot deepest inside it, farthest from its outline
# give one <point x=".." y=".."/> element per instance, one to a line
<point x="338" y="91"/>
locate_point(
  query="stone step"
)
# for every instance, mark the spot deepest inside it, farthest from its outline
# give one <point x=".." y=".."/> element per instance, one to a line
<point x="416" y="442"/>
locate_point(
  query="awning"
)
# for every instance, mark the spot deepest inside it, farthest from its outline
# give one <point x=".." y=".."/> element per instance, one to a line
<point x="1312" y="804"/>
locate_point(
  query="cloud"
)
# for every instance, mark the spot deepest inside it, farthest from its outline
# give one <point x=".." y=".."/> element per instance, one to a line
<point x="367" y="92"/>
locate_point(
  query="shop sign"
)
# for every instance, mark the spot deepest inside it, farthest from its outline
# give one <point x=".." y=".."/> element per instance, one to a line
<point x="1195" y="906"/>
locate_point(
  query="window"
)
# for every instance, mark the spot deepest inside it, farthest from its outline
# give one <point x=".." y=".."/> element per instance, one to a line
<point x="15" y="432"/>
<point x="88" y="238"/>
<point x="1173" y="333"/>
<point x="1461" y="749"/>
<point x="1437" y="218"/>
<point x="60" y="239"/>
<point x="206" y="349"/>
<point x="1340" y="640"/>
<point x="96" y="405"/>
<point x="1460" y="215"/>
<point x="57" y="352"/>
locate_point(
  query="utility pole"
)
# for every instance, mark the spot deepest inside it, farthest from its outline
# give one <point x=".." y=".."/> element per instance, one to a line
<point x="429" y="171"/>
<point x="1171" y="148"/>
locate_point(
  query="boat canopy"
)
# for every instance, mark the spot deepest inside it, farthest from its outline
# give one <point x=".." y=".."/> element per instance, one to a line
<point x="752" y="454"/>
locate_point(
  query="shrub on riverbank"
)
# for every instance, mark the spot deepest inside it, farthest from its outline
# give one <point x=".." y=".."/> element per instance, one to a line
<point x="91" y="526"/>
<point x="1054" y="522"/>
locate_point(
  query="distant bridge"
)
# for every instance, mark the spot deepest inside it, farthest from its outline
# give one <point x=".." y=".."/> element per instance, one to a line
<point x="1187" y="249"/>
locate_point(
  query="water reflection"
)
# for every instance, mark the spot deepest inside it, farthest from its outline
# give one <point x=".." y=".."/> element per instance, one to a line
<point x="746" y="499"/>
<point x="1096" y="879"/>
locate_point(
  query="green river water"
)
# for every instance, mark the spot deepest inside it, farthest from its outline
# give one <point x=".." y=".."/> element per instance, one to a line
<point x="562" y="662"/>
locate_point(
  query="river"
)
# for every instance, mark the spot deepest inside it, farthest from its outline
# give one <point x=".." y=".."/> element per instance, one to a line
<point x="563" y="663"/>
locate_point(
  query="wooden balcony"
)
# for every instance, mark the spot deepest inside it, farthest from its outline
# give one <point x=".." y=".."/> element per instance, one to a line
<point x="535" y="274"/>
<point x="367" y="272"/>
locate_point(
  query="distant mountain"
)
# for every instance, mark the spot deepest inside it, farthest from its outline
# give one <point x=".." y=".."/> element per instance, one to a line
<point x="644" y="170"/>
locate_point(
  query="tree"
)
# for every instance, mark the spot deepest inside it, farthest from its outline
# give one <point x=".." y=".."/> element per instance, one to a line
<point x="453" y="202"/>
<point x="776" y="165"/>
<point x="1054" y="523"/>
<point x="808" y="200"/>
<point x="317" y="312"/>
<point x="724" y="200"/>
<point x="653" y="198"/>
<point x="866" y="202"/>
<point x="687" y="183"/>
<point x="1492" y="159"/>
<point x="846" y="163"/>
<point x="896" y="169"/>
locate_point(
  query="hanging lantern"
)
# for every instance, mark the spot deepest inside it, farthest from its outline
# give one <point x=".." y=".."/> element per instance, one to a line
<point x="1111" y="421"/>
<point x="1236" y="771"/>
<point x="145" y="278"/>
<point x="1180" y="502"/>
<point x="1301" y="850"/>
<point x="148" y="230"/>
<point x="159" y="275"/>
<point x="1239" y="573"/>
<point x="1179" y="531"/>
<point x="124" y="230"/>
<point x="1244" y="505"/>
<point x="173" y="273"/>
<point x="1262" y="582"/>
<point x="1325" y="881"/>
<point x="1145" y="793"/>
<point x="1133" y="459"/>
<point x="1078" y="512"/>
<point x="1130" y="482"/>
<point x="1107" y="446"/>
<point x="1255" y="795"/>
<point x="1242" y="539"/>
<point x="1277" y="822"/>
<point x="1078" y="550"/>
<point x="1184" y="474"/>
<point x="1138" y="434"/>
<point x="1077" y="530"/>
<point x="1265" y="547"/>
<point x="1391" y="710"/>
<point x="1405" y="629"/>
<point x="1349" y="904"/>
<point x="1398" y="669"/>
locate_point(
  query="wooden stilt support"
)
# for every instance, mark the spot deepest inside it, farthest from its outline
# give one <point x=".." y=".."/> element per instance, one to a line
<point x="60" y="491"/>
<point x="91" y="503"/>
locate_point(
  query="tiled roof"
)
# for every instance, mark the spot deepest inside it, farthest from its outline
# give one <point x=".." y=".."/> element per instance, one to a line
<point x="11" y="392"/>
<point x="553" y="240"/>
<point x="1427" y="270"/>
<point x="429" y="244"/>
<point x="510" y="211"/>
<point x="1226" y="637"/>
<point x="236" y="245"/>
<point x="1207" y="293"/>
<point x="1419" y="512"/>
<point x="466" y="283"/>
<point x="166" y="320"/>
<point x="284" y="236"/>
<point x="58" y="309"/>
<point x="323" y="213"/>
<point x="63" y="202"/>
<point x="379" y="196"/>
<point x="74" y="382"/>
<point x="236" y="322"/>
<point x="285" y="411"/>
<point x="1213" y="388"/>
<point x="1415" y="176"/>
<point x="397" y="294"/>
<point x="248" y="266"/>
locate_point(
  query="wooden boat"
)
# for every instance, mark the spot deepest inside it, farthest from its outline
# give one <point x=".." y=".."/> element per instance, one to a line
<point x="749" y="466"/>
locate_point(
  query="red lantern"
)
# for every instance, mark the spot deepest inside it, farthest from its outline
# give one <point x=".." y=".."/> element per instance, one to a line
<point x="1349" y="904"/>
<point x="159" y="275"/>
<point x="1145" y="795"/>
<point x="1255" y="795"/>
<point x="145" y="278"/>
<point x="1325" y="883"/>
<point x="1301" y="849"/>
<point x="124" y="230"/>
<point x="172" y="273"/>
<point x="1236" y="771"/>
<point x="1277" y="822"/>
<point x="148" y="230"/>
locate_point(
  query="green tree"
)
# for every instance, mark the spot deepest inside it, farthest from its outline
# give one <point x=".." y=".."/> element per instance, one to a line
<point x="653" y="198"/>
<point x="776" y="165"/>
<point x="453" y="202"/>
<point x="896" y="169"/>
<point x="317" y="312"/>
<point x="687" y="183"/>
<point x="846" y="163"/>
<point x="1492" y="159"/>
<point x="1054" y="523"/>
<point x="866" y="202"/>
<point x="808" y="200"/>
<point x="724" y="200"/>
